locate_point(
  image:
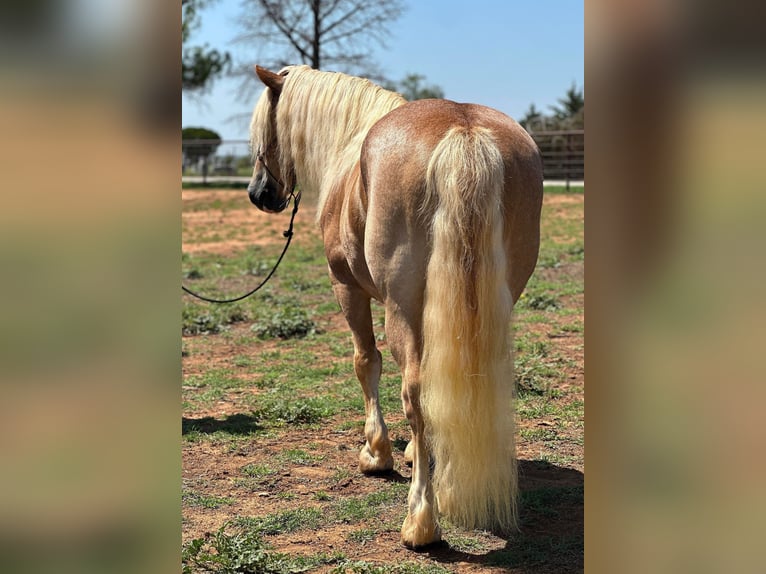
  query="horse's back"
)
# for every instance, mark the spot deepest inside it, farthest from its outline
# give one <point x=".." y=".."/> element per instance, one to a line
<point x="394" y="163"/>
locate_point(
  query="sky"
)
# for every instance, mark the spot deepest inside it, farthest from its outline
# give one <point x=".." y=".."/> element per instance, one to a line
<point x="506" y="54"/>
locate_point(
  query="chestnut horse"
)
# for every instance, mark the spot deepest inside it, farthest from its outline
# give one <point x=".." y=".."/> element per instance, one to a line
<point x="432" y="208"/>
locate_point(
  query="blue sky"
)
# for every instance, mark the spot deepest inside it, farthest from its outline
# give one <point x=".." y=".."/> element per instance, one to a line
<point x="503" y="54"/>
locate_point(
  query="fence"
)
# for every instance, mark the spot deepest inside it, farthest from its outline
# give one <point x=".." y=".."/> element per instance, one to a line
<point x="230" y="161"/>
<point x="563" y="154"/>
<point x="216" y="161"/>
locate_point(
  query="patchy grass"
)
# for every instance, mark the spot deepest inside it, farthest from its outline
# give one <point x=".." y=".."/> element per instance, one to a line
<point x="287" y="323"/>
<point x="282" y="411"/>
<point x="283" y="522"/>
<point x="231" y="550"/>
<point x="273" y="414"/>
<point x="362" y="567"/>
<point x="199" y="500"/>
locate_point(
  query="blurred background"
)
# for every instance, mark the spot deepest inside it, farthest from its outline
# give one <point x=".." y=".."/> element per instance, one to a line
<point x="90" y="227"/>
<point x="674" y="306"/>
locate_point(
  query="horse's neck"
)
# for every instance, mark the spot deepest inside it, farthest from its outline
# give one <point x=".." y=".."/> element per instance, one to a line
<point x="331" y="145"/>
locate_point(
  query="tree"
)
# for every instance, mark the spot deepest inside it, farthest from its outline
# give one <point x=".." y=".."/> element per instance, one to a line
<point x="334" y="34"/>
<point x="532" y="118"/>
<point x="199" y="64"/>
<point x="570" y="106"/>
<point x="569" y="114"/>
<point x="199" y="144"/>
<point x="411" y="88"/>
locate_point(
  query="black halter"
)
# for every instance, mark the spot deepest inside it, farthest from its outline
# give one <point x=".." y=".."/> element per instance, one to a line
<point x="260" y="157"/>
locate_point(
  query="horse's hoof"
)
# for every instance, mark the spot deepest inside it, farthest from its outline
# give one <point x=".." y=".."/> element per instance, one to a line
<point x="409" y="455"/>
<point x="371" y="464"/>
<point x="420" y="533"/>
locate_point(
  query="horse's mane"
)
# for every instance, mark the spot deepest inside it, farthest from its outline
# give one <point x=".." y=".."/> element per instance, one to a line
<point x="322" y="120"/>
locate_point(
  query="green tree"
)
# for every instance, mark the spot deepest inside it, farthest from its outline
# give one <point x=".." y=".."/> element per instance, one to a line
<point x="200" y="64"/>
<point x="570" y="105"/>
<point x="199" y="144"/>
<point x="569" y="114"/>
<point x="533" y="119"/>
<point x="412" y="89"/>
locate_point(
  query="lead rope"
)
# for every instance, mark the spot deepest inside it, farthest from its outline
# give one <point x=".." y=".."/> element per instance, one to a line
<point x="288" y="234"/>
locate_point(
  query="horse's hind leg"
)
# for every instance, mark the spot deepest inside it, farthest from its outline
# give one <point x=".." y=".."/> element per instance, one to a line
<point x="375" y="455"/>
<point x="421" y="526"/>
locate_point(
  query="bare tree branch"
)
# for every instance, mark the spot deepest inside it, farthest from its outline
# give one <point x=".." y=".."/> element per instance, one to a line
<point x="345" y="17"/>
<point x="337" y="33"/>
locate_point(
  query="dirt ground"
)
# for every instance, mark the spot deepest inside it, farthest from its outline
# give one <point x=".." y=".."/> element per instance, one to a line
<point x="213" y="468"/>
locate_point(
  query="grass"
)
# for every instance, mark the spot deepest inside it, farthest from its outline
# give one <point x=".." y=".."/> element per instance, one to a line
<point x="199" y="500"/>
<point x="281" y="411"/>
<point x="287" y="323"/>
<point x="288" y="378"/>
<point x="233" y="549"/>
<point x="358" y="508"/>
<point x="362" y="567"/>
<point x="283" y="522"/>
<point x="299" y="456"/>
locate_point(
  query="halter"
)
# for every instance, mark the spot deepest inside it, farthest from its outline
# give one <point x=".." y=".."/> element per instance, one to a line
<point x="288" y="234"/>
<point x="261" y="158"/>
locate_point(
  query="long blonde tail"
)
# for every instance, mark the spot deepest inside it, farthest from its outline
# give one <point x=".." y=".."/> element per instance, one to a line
<point x="466" y="373"/>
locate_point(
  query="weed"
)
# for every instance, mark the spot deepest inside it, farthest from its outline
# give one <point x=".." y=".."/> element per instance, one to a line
<point x="286" y="323"/>
<point x="306" y="411"/>
<point x="297" y="456"/>
<point x="256" y="470"/>
<point x="244" y="551"/>
<point x="356" y="509"/>
<point x="540" y="302"/>
<point x="361" y="567"/>
<point x="362" y="535"/>
<point x="541" y="434"/>
<point x="198" y="320"/>
<point x="199" y="500"/>
<point x="533" y="373"/>
<point x="283" y="522"/>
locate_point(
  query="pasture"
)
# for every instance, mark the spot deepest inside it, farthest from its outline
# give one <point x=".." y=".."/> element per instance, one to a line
<point x="273" y="413"/>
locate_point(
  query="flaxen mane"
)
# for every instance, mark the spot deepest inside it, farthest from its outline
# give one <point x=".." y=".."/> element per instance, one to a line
<point x="321" y="121"/>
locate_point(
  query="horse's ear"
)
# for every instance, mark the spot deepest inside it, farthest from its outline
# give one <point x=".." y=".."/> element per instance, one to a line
<point x="270" y="79"/>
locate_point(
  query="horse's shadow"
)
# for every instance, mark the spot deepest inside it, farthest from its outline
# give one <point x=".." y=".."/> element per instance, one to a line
<point x="550" y="536"/>
<point x="238" y="424"/>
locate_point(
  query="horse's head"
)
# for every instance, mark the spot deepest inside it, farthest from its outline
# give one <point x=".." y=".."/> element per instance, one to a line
<point x="272" y="184"/>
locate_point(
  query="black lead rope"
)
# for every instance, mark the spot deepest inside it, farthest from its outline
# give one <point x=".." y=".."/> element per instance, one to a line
<point x="288" y="234"/>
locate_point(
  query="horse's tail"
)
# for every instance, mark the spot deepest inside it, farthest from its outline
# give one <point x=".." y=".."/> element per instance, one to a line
<point x="466" y="374"/>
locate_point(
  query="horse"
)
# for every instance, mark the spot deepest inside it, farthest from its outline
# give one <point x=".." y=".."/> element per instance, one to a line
<point x="432" y="208"/>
